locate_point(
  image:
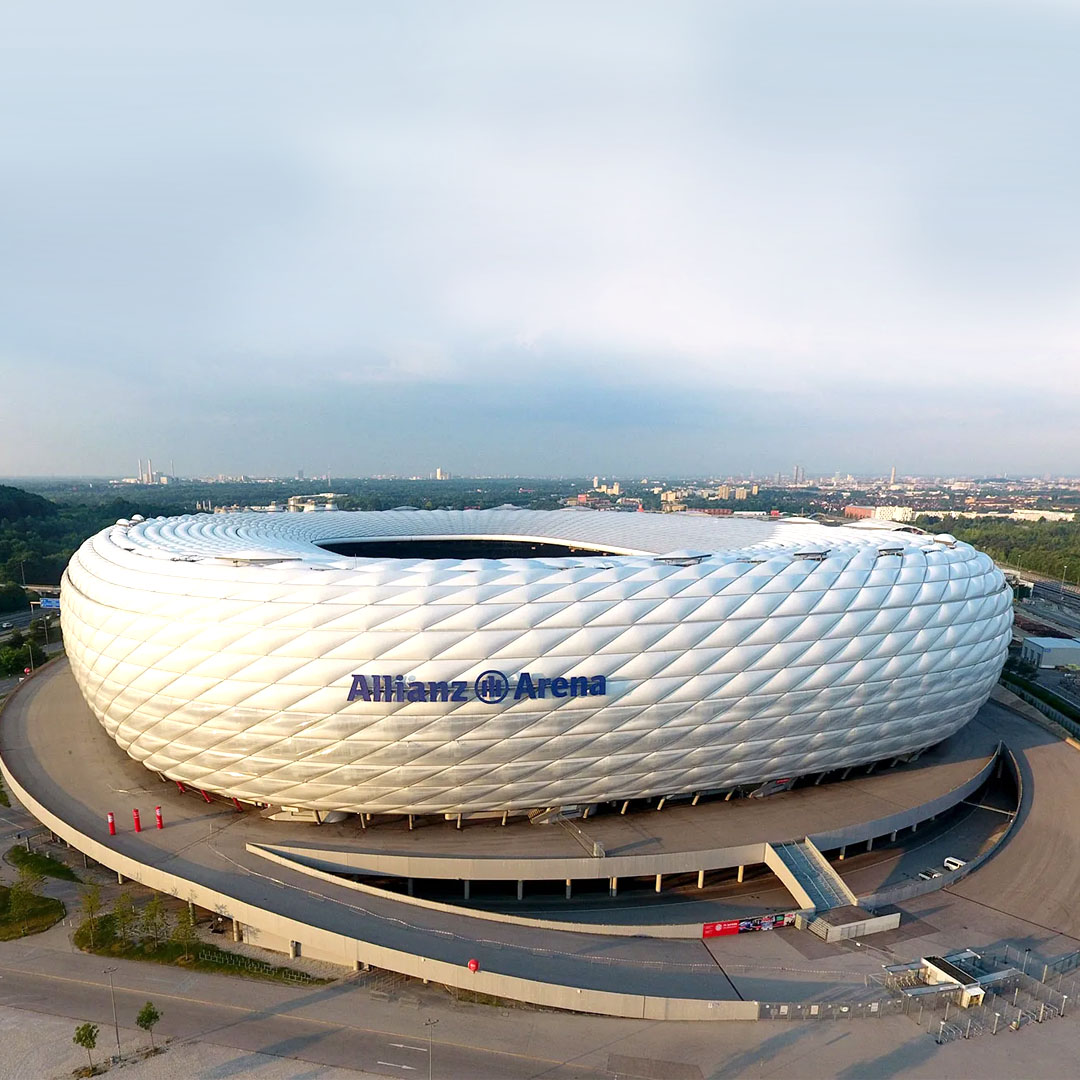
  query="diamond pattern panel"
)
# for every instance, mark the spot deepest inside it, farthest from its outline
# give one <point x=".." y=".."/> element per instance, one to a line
<point x="219" y="650"/>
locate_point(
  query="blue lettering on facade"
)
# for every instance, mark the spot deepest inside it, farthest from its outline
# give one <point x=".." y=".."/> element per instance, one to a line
<point x="490" y="687"/>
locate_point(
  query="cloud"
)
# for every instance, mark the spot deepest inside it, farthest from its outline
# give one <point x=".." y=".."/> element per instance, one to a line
<point x="796" y="211"/>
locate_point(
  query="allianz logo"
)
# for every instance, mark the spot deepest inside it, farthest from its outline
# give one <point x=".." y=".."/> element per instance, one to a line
<point x="490" y="687"/>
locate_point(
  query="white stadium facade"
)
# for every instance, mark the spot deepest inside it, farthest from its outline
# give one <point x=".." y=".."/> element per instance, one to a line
<point x="459" y="662"/>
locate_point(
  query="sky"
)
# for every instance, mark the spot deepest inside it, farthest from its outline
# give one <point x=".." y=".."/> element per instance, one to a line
<point x="540" y="238"/>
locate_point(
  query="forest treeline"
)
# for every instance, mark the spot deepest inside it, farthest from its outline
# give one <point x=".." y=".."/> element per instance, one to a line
<point x="1047" y="547"/>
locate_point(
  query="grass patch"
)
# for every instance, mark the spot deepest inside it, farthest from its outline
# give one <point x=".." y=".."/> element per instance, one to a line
<point x="40" y="863"/>
<point x="201" y="957"/>
<point x="43" y="912"/>
<point x="4" y="800"/>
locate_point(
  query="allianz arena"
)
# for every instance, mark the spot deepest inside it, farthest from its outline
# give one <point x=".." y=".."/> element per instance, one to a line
<point x="501" y="660"/>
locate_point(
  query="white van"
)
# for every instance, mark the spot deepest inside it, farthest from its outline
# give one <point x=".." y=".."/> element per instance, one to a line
<point x="954" y="864"/>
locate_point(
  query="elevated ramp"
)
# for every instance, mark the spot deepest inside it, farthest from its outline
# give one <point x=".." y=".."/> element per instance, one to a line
<point x="808" y="875"/>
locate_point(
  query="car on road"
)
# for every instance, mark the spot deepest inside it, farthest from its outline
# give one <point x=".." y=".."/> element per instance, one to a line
<point x="7" y="626"/>
<point x="953" y="863"/>
<point x="929" y="874"/>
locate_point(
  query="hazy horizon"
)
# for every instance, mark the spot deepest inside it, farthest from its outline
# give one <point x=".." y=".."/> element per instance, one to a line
<point x="540" y="239"/>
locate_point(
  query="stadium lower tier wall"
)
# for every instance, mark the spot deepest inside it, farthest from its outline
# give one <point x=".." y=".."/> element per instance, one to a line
<point x="271" y="929"/>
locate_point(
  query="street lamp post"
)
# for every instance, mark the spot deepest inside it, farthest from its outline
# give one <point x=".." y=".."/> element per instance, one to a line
<point x="429" y="1024"/>
<point x="112" y="995"/>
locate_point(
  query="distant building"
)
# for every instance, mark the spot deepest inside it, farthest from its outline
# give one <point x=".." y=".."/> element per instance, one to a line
<point x="1049" y="652"/>
<point x="893" y="513"/>
<point x="740" y="494"/>
<point x="859" y="511"/>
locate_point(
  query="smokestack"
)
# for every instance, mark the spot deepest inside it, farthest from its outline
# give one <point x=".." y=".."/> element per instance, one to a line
<point x="139" y="473"/>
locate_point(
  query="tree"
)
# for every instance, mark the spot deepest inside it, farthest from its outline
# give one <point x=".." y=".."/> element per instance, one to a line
<point x="155" y="921"/>
<point x="86" y="1037"/>
<point x="184" y="931"/>
<point x="23" y="894"/>
<point x="147" y="1018"/>
<point x="91" y="908"/>
<point x="124" y="916"/>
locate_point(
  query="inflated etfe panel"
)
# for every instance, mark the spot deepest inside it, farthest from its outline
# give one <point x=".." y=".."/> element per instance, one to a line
<point x="234" y="653"/>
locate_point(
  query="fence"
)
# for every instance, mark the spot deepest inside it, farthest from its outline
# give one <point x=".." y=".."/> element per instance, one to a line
<point x="255" y="967"/>
<point x="831" y="1010"/>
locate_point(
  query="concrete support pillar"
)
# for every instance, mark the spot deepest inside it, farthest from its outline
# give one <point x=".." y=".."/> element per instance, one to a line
<point x="506" y="814"/>
<point x="237" y="930"/>
<point x="191" y="910"/>
<point x="727" y="797"/>
<point x="915" y="827"/>
<point x="624" y="806"/>
<point x="521" y="889"/>
<point x="410" y="823"/>
<point x="569" y="888"/>
<point x="613" y="887"/>
<point x="119" y="878"/>
<point x="870" y="844"/>
<point x="739" y="876"/>
<point x="585" y="813"/>
<point x="357" y="966"/>
<point x="821" y="776"/>
<point x="409" y="886"/>
<point x="843" y="852"/>
<point x="847" y="772"/>
<point x="660" y="804"/>
<point x="459" y="821"/>
<point x="701" y="879"/>
<point x="694" y="800"/>
<point x="870" y="767"/>
<point x="467" y="883"/>
<point x="659" y="881"/>
<point x="294" y="949"/>
<point x="892" y="836"/>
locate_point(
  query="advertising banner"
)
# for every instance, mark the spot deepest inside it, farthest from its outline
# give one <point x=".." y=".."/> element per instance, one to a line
<point x="744" y="926"/>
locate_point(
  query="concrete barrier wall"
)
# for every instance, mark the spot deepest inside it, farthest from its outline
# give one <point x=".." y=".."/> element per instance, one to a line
<point x="498" y="868"/>
<point x="883" y="826"/>
<point x="681" y="931"/>
<point x="350" y="952"/>
<point x="920" y="888"/>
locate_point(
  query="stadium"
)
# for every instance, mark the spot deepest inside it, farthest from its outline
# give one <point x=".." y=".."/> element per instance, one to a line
<point x="500" y="661"/>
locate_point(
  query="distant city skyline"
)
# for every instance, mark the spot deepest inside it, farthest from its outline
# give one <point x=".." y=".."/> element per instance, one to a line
<point x="540" y="239"/>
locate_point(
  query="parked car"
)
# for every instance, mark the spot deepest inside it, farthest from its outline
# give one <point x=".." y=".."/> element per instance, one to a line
<point x="954" y="864"/>
<point x="7" y="626"/>
<point x="929" y="874"/>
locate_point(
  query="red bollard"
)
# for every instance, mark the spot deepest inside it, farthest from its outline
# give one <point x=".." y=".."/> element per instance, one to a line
<point x="474" y="965"/>
<point x="157" y="816"/>
<point x="111" y="818"/>
<point x="135" y="818"/>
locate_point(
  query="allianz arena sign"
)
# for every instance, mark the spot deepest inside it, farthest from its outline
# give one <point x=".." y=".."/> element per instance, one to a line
<point x="490" y="687"/>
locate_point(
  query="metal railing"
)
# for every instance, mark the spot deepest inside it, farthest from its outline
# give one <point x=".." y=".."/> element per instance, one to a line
<point x="255" y="967"/>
